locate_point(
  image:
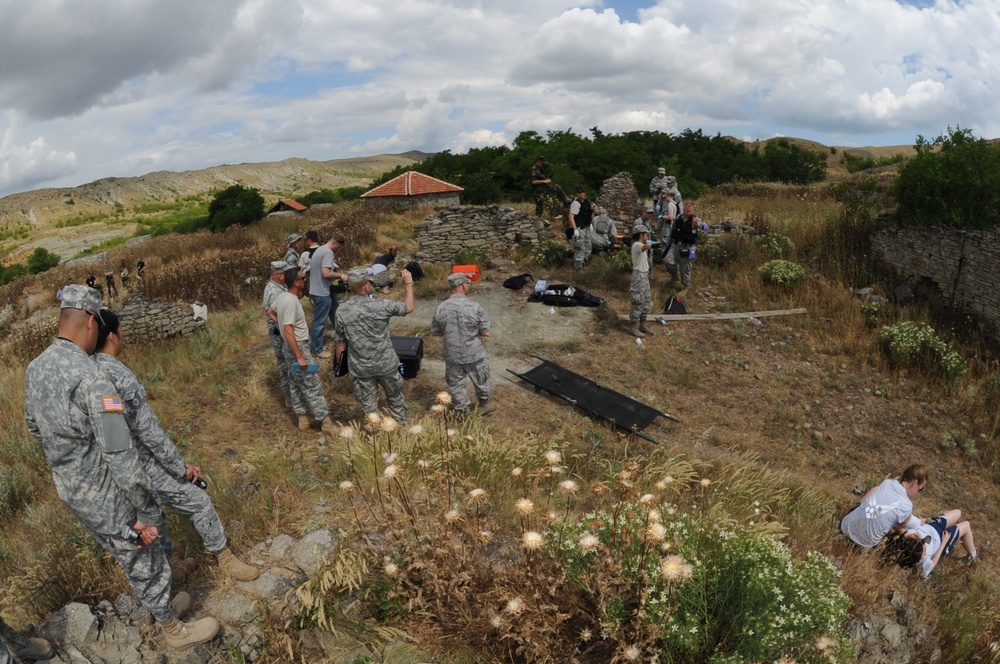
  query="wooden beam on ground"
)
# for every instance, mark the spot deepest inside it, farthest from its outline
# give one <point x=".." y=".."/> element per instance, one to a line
<point x="683" y="318"/>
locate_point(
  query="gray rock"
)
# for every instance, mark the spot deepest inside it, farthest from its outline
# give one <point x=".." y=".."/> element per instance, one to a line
<point x="281" y="547"/>
<point x="232" y="607"/>
<point x="309" y="553"/>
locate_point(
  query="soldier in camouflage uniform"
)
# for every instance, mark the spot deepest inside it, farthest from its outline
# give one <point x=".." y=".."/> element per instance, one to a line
<point x="541" y="186"/>
<point x="306" y="388"/>
<point x="275" y="287"/>
<point x="464" y="324"/>
<point x="658" y="188"/>
<point x="292" y="253"/>
<point x="640" y="297"/>
<point x="77" y="416"/>
<point x="171" y="477"/>
<point x="363" y="330"/>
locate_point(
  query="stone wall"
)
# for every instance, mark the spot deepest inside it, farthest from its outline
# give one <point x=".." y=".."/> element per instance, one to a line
<point x="459" y="228"/>
<point x="963" y="265"/>
<point x="145" y="320"/>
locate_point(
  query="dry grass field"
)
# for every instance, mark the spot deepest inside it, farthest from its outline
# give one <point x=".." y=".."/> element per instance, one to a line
<point x="781" y="426"/>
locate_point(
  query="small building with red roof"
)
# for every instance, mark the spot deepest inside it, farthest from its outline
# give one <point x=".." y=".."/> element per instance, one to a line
<point x="287" y="206"/>
<point x="413" y="188"/>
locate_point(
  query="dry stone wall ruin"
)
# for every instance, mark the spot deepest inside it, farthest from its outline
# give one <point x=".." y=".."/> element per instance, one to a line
<point x="146" y="320"/>
<point x="469" y="227"/>
<point x="964" y="265"/>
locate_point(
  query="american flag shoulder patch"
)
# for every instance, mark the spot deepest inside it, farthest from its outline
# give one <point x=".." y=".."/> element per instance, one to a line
<point x="112" y="405"/>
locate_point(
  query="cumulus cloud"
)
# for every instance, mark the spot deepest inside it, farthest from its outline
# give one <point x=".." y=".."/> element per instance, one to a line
<point x="189" y="84"/>
<point x="22" y="166"/>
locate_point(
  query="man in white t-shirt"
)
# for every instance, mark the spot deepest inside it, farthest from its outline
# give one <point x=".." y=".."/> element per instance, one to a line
<point x="323" y="269"/>
<point x="885" y="507"/>
<point x="306" y="388"/>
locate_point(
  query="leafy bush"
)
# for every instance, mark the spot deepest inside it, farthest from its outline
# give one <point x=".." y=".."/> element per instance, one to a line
<point x="42" y="259"/>
<point x="912" y="343"/>
<point x="956" y="185"/>
<point x="471" y="257"/>
<point x="235" y="206"/>
<point x="707" y="592"/>
<point x="775" y="245"/>
<point x="550" y="253"/>
<point x="872" y="311"/>
<point x="782" y="273"/>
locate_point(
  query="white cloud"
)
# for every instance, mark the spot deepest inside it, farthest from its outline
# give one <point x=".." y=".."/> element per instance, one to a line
<point x="141" y="84"/>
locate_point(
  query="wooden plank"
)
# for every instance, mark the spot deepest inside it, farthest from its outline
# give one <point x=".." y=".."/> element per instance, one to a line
<point x="683" y="318"/>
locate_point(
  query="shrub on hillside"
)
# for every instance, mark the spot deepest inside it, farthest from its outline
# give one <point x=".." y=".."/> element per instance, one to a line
<point x="912" y="343"/>
<point x="782" y="273"/>
<point x="550" y="253"/>
<point x="42" y="259"/>
<point x="775" y="245"/>
<point x="235" y="206"/>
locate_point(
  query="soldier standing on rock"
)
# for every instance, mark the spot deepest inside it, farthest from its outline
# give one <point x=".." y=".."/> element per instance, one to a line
<point x="541" y="186"/>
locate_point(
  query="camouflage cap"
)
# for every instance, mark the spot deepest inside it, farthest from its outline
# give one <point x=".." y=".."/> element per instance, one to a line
<point x="294" y="237"/>
<point x="671" y="179"/>
<point x="279" y="266"/>
<point x="76" y="296"/>
<point x="649" y="208"/>
<point x="357" y="277"/>
<point x="661" y="170"/>
<point x="456" y="279"/>
<point x="639" y="228"/>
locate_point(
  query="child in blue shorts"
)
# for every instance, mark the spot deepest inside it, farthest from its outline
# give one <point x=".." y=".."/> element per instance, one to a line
<point x="939" y="536"/>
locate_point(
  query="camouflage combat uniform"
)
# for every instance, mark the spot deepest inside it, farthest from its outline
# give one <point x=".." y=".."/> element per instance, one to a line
<point x="363" y="323"/>
<point x="271" y="293"/>
<point x="683" y="236"/>
<point x="292" y="257"/>
<point x="77" y="416"/>
<point x="541" y="191"/>
<point x="462" y="322"/>
<point x="603" y="233"/>
<point x="161" y="460"/>
<point x="639" y="295"/>
<point x="306" y="388"/>
<point x="658" y="188"/>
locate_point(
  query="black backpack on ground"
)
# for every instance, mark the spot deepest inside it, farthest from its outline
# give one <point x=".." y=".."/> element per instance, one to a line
<point x="675" y="305"/>
<point x="415" y="270"/>
<point x="517" y="282"/>
<point x="564" y="295"/>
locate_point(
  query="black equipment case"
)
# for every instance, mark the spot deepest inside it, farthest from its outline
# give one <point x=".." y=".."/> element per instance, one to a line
<point x="410" y="351"/>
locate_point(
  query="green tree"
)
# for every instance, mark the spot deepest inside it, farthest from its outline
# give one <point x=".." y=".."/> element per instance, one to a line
<point x="42" y="259"/>
<point x="235" y="205"/>
<point x="790" y="163"/>
<point x="954" y="180"/>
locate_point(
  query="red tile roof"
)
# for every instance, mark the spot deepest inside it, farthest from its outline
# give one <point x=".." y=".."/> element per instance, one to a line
<point x="412" y="183"/>
<point x="295" y="205"/>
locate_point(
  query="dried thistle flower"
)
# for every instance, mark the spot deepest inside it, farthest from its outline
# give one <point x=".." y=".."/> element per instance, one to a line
<point x="388" y="458"/>
<point x="552" y="516"/>
<point x="496" y="621"/>
<point x="389" y="425"/>
<point x="586" y="635"/>
<point x="346" y="432"/>
<point x="553" y="457"/>
<point x="415" y="429"/>
<point x="825" y="645"/>
<point x="705" y="483"/>
<point x="654" y="516"/>
<point x="468" y="437"/>
<point x="673" y="568"/>
<point x="656" y="531"/>
<point x="555" y="470"/>
<point x="515" y="605"/>
<point x="423" y="463"/>
<point x="485" y="536"/>
<point x="589" y="542"/>
<point x="646" y="498"/>
<point x="598" y="488"/>
<point x="516" y="472"/>
<point x="666" y="546"/>
<point x="390" y="471"/>
<point x="531" y="540"/>
<point x="524" y="506"/>
<point x="632" y="653"/>
<point x="373" y="418"/>
<point x="452" y="433"/>
<point x="443" y="398"/>
<point x="451" y="516"/>
<point x="438" y="408"/>
<point x="346" y="485"/>
<point x="390" y="568"/>
<point x="568" y="486"/>
<point x="477" y="494"/>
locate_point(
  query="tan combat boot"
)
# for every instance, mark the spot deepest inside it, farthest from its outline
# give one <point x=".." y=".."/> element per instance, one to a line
<point x="328" y="427"/>
<point x="235" y="567"/>
<point x="180" y="604"/>
<point x="642" y="327"/>
<point x="634" y="331"/>
<point x="486" y="407"/>
<point x="303" y="423"/>
<point x="181" y="568"/>
<point x="181" y="635"/>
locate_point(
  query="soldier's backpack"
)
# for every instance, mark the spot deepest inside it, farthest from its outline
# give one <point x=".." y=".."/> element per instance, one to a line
<point x="517" y="282"/>
<point x="564" y="295"/>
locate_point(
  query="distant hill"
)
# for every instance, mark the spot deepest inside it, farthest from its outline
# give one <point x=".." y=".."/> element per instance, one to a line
<point x="27" y="218"/>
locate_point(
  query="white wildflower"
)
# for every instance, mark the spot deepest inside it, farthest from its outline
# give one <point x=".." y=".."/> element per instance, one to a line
<point x="553" y="457"/>
<point x="568" y="486"/>
<point x="531" y="540"/>
<point x="524" y="506"/>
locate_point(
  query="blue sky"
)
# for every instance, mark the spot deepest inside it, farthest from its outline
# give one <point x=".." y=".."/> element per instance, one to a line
<point x="90" y="89"/>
